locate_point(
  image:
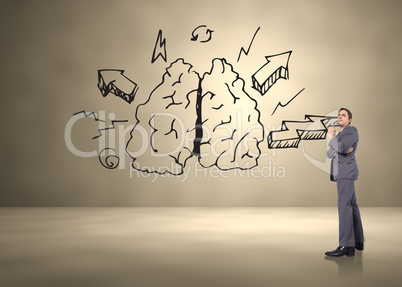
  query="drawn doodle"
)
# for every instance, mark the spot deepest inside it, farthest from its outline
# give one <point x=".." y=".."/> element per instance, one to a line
<point x="248" y="49"/>
<point x="100" y="120"/>
<point x="203" y="32"/>
<point x="231" y="120"/>
<point x="290" y="137"/>
<point x="113" y="81"/>
<point x="284" y="105"/>
<point x="218" y="115"/>
<point x="109" y="161"/>
<point x="171" y="101"/>
<point x="275" y="69"/>
<point x="91" y="114"/>
<point x="159" y="48"/>
<point x="208" y="117"/>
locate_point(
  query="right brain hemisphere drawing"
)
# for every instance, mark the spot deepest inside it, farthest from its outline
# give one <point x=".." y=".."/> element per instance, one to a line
<point x="230" y="120"/>
<point x="210" y="117"/>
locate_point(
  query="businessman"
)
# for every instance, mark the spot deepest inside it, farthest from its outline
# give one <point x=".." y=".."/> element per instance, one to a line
<point x="342" y="149"/>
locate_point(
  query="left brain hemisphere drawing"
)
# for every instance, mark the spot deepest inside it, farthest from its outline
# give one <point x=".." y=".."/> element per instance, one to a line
<point x="187" y="115"/>
<point x="167" y="119"/>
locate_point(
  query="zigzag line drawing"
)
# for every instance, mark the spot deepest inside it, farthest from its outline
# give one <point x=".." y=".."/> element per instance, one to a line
<point x="88" y="115"/>
<point x="280" y="104"/>
<point x="99" y="120"/>
<point x="110" y="127"/>
<point x="248" y="50"/>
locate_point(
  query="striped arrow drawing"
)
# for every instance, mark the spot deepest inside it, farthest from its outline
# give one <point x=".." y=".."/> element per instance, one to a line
<point x="113" y="81"/>
<point x="275" y="69"/>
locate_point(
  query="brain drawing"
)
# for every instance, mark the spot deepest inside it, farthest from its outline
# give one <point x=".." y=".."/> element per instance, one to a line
<point x="186" y="115"/>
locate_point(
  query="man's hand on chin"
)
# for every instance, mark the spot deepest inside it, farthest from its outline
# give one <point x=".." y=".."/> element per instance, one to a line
<point x="331" y="133"/>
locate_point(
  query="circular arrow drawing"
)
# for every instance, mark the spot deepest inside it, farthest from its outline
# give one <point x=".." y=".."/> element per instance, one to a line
<point x="204" y="33"/>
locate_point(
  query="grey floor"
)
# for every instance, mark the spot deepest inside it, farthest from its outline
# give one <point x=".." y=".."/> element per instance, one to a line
<point x="150" y="247"/>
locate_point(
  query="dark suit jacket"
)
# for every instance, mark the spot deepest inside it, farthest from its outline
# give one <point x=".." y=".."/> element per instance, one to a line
<point x="343" y="165"/>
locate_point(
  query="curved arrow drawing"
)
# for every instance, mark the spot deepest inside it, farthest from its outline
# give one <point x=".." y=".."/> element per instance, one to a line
<point x="207" y="31"/>
<point x="275" y="68"/>
<point x="113" y="81"/>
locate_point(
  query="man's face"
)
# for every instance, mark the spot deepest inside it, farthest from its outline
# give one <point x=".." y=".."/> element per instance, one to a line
<point x="343" y="118"/>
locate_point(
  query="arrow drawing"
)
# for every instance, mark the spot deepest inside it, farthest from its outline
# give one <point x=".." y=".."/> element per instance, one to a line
<point x="203" y="30"/>
<point x="160" y="46"/>
<point x="275" y="68"/>
<point x="113" y="81"/>
<point x="248" y="50"/>
<point x="290" y="138"/>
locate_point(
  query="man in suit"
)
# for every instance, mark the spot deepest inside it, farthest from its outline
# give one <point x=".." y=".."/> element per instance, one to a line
<point x="342" y="149"/>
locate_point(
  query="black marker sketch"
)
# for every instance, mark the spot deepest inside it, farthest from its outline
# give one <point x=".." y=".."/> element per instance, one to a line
<point x="88" y="115"/>
<point x="204" y="33"/>
<point x="290" y="138"/>
<point x="227" y="113"/>
<point x="284" y="105"/>
<point x="99" y="120"/>
<point x="110" y="127"/>
<point x="159" y="48"/>
<point x="113" y="81"/>
<point x="218" y="112"/>
<point x="210" y="118"/>
<point x="248" y="49"/>
<point x="109" y="161"/>
<point x="162" y="113"/>
<point x="275" y="68"/>
<point x="96" y="118"/>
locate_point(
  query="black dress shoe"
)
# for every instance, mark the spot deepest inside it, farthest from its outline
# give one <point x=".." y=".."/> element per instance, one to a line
<point x="341" y="251"/>
<point x="359" y="246"/>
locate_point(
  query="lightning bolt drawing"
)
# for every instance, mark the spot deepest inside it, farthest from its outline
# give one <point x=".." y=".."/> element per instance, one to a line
<point x="284" y="105"/>
<point x="290" y="137"/>
<point x="109" y="128"/>
<point x="160" y="48"/>
<point x="88" y="115"/>
<point x="248" y="50"/>
<point x="99" y="120"/>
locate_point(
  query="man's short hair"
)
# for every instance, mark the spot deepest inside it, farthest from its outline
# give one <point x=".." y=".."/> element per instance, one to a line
<point x="349" y="113"/>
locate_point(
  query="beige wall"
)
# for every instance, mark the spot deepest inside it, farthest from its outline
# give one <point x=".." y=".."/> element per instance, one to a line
<point x="345" y="53"/>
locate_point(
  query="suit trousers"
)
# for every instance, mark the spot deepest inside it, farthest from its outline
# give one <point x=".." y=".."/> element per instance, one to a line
<point x="350" y="224"/>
